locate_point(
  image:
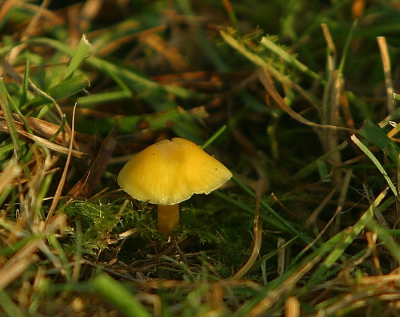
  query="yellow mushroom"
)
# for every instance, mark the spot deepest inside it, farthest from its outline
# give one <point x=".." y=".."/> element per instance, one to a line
<point x="169" y="172"/>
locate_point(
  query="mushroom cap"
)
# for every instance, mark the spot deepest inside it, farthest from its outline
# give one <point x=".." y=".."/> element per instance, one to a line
<point x="171" y="171"/>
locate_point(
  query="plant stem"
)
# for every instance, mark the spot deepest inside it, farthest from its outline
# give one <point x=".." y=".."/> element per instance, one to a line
<point x="168" y="218"/>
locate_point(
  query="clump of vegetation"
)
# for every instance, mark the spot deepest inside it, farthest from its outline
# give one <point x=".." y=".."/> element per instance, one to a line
<point x="299" y="100"/>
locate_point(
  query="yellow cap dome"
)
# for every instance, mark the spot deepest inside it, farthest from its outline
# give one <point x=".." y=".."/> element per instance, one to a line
<point x="171" y="171"/>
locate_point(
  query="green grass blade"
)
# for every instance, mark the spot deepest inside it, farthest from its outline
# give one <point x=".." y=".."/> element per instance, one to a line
<point x="12" y="249"/>
<point x="214" y="137"/>
<point x="376" y="136"/>
<point x="60" y="91"/>
<point x="9" y="306"/>
<point x="257" y="60"/>
<point x="5" y="106"/>
<point x="385" y="236"/>
<point x="78" y="254"/>
<point x="37" y="206"/>
<point x="80" y="54"/>
<point x="308" y="169"/>
<point x="203" y="40"/>
<point x="323" y="171"/>
<point x="61" y="258"/>
<point x="138" y="82"/>
<point x="59" y="130"/>
<point x="154" y="93"/>
<point x="395" y="125"/>
<point x="376" y="162"/>
<point x="346" y="49"/>
<point x="118" y="296"/>
<point x="111" y="96"/>
<point x="290" y="59"/>
<point x="272" y="212"/>
<point x="279" y="286"/>
<point x="269" y="220"/>
<point x="153" y="121"/>
<point x="232" y="16"/>
<point x="25" y="84"/>
<point x="349" y="235"/>
<point x="21" y="116"/>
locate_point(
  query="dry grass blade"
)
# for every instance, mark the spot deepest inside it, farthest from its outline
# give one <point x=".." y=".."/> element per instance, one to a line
<point x="266" y="81"/>
<point x="10" y="172"/>
<point x="313" y="217"/>
<point x="42" y="142"/>
<point x="57" y="195"/>
<point x="21" y="260"/>
<point x="362" y="297"/>
<point x="371" y="240"/>
<point x="342" y="198"/>
<point x="170" y="52"/>
<point x="18" y="264"/>
<point x="88" y="12"/>
<point x="6" y="109"/>
<point x="257" y="235"/>
<point x="6" y="7"/>
<point x="164" y="69"/>
<point x="48" y="97"/>
<point x="84" y="144"/>
<point x="13" y="54"/>
<point x="387" y="72"/>
<point x="330" y="109"/>
<point x="276" y="294"/>
<point x="27" y="32"/>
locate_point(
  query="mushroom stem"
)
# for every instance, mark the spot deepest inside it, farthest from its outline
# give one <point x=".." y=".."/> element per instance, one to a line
<point x="168" y="218"/>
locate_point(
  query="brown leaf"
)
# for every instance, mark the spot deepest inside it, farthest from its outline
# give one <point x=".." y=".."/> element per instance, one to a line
<point x="84" y="145"/>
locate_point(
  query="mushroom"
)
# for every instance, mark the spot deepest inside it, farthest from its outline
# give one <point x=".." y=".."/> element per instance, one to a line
<point x="169" y="172"/>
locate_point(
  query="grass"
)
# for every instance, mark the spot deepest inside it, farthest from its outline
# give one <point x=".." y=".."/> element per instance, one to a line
<point x="299" y="101"/>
